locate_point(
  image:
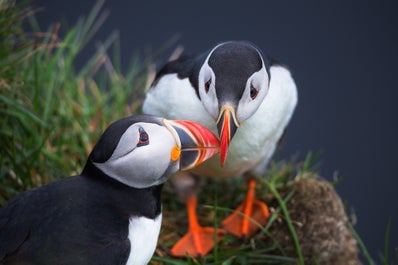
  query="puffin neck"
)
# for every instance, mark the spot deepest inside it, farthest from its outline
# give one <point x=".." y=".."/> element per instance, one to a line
<point x="127" y="199"/>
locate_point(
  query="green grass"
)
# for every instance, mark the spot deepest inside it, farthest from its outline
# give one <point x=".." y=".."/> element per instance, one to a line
<point x="214" y="207"/>
<point x="52" y="113"/>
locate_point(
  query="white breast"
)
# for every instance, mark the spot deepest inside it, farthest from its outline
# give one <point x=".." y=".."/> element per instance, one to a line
<point x="254" y="142"/>
<point x="143" y="236"/>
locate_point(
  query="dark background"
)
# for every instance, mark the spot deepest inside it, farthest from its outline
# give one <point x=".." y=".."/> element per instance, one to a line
<point x="343" y="55"/>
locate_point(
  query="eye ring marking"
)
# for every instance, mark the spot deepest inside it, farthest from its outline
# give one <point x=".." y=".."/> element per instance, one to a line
<point x="143" y="137"/>
<point x="207" y="85"/>
<point x="253" y="92"/>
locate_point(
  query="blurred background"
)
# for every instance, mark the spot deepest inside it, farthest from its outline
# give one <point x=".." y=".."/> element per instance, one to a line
<point x="343" y="56"/>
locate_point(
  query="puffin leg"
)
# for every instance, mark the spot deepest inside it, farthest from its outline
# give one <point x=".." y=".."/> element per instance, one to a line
<point x="239" y="223"/>
<point x="198" y="241"/>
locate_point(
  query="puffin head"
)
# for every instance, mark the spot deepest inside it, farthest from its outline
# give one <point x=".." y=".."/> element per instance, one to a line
<point x="142" y="151"/>
<point x="232" y="83"/>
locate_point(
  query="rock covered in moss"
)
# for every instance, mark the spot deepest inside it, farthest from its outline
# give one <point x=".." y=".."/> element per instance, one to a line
<point x="321" y="225"/>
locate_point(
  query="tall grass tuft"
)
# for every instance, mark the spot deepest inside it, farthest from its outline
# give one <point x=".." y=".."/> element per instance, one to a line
<point x="51" y="112"/>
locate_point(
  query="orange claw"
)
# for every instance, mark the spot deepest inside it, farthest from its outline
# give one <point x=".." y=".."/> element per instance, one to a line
<point x="238" y="222"/>
<point x="199" y="240"/>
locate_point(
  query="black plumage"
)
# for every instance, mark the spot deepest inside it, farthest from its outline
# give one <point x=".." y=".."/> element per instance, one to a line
<point x="240" y="53"/>
<point x="47" y="222"/>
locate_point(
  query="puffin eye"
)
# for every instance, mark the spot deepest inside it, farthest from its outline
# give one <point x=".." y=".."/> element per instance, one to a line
<point x="143" y="138"/>
<point x="207" y="85"/>
<point x="253" y="92"/>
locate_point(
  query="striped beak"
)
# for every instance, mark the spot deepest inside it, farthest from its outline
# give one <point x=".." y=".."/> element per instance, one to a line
<point x="195" y="143"/>
<point x="227" y="125"/>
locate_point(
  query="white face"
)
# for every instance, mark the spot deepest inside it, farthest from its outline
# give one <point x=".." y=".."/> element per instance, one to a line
<point x="145" y="149"/>
<point x="255" y="90"/>
<point x="207" y="89"/>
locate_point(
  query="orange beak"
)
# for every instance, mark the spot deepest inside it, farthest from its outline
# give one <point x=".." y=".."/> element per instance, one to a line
<point x="196" y="142"/>
<point x="227" y="125"/>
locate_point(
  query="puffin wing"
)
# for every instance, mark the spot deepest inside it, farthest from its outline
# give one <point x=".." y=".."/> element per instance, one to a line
<point x="15" y="224"/>
<point x="181" y="66"/>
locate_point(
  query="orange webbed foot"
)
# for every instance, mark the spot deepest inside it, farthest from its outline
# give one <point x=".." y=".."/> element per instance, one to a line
<point x="240" y="222"/>
<point x="199" y="240"/>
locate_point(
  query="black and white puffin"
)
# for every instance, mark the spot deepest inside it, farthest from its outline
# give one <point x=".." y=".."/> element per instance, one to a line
<point x="111" y="212"/>
<point x="246" y="97"/>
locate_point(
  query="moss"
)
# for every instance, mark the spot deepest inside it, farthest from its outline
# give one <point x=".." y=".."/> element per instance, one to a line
<point x="321" y="225"/>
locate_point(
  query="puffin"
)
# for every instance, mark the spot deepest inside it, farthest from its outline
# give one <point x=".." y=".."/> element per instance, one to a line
<point x="245" y="97"/>
<point x="111" y="212"/>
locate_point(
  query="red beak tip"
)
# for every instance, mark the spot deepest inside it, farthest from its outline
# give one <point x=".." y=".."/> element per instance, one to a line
<point x="223" y="158"/>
